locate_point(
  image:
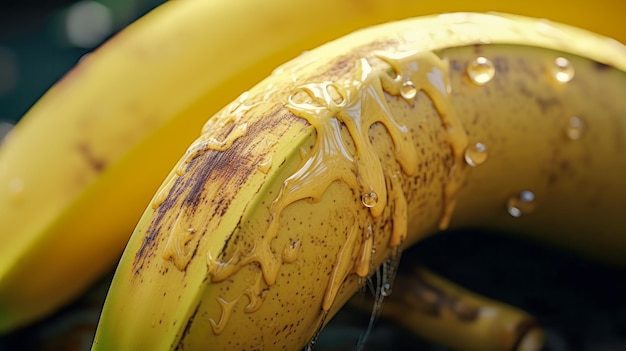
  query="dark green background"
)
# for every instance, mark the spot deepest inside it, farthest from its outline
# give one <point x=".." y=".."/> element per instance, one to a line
<point x="33" y="33"/>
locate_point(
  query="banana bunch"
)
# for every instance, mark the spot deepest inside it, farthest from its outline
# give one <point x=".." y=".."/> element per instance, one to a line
<point x="298" y="190"/>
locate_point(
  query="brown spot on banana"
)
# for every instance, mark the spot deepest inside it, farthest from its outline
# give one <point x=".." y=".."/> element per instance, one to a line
<point x="358" y="165"/>
<point x="426" y="297"/>
<point x="94" y="162"/>
<point x="381" y="123"/>
<point x="335" y="145"/>
<point x="186" y="191"/>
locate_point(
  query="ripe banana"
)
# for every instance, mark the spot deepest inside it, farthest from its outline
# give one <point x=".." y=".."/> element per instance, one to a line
<point x="65" y="168"/>
<point x="74" y="157"/>
<point x="296" y="191"/>
<point x="437" y="310"/>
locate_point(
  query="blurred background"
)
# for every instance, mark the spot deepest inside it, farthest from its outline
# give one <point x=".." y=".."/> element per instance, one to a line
<point x="581" y="304"/>
<point x="40" y="40"/>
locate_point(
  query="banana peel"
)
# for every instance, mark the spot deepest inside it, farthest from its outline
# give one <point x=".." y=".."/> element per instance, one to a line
<point x="51" y="197"/>
<point x="299" y="189"/>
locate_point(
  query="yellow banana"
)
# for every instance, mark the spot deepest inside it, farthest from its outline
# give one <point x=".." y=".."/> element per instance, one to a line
<point x="128" y="109"/>
<point x="296" y="191"/>
<point x="65" y="169"/>
<point x="439" y="311"/>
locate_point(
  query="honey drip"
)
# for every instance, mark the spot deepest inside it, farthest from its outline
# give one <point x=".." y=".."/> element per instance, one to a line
<point x="356" y="105"/>
<point x="265" y="165"/>
<point x="229" y="116"/>
<point x="261" y="254"/>
<point x="400" y="214"/>
<point x="254" y="295"/>
<point x="176" y="248"/>
<point x="432" y="77"/>
<point x="346" y="258"/>
<point x="291" y="251"/>
<point x="363" y="265"/>
<point x="227" y="310"/>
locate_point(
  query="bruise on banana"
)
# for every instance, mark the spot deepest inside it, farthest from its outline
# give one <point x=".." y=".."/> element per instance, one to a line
<point x="229" y="159"/>
<point x="336" y="113"/>
<point x="97" y="164"/>
<point x="350" y="116"/>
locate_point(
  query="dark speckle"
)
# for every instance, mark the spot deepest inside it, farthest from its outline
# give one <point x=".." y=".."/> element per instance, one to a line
<point x="457" y="66"/>
<point x="599" y="66"/>
<point x="180" y="345"/>
<point x="478" y="49"/>
<point x="547" y="104"/>
<point x="231" y="168"/>
<point x="96" y="163"/>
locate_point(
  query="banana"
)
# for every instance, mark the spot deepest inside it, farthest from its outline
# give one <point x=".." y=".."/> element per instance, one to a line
<point x="65" y="168"/>
<point x="294" y="193"/>
<point x="437" y="310"/>
<point x="59" y="187"/>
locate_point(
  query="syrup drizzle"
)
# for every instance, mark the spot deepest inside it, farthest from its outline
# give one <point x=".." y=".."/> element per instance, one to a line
<point x="356" y="105"/>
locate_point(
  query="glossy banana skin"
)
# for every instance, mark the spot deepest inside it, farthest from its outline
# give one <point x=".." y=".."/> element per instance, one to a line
<point x="56" y="188"/>
<point x="299" y="189"/>
<point x="52" y="196"/>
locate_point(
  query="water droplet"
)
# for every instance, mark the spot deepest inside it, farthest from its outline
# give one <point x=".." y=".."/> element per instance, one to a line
<point x="575" y="128"/>
<point x="563" y="70"/>
<point x="291" y="251"/>
<point x="521" y="204"/>
<point x="481" y="70"/>
<point x="408" y="90"/>
<point x="476" y="154"/>
<point x="386" y="289"/>
<point x="369" y="199"/>
<point x="311" y="345"/>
